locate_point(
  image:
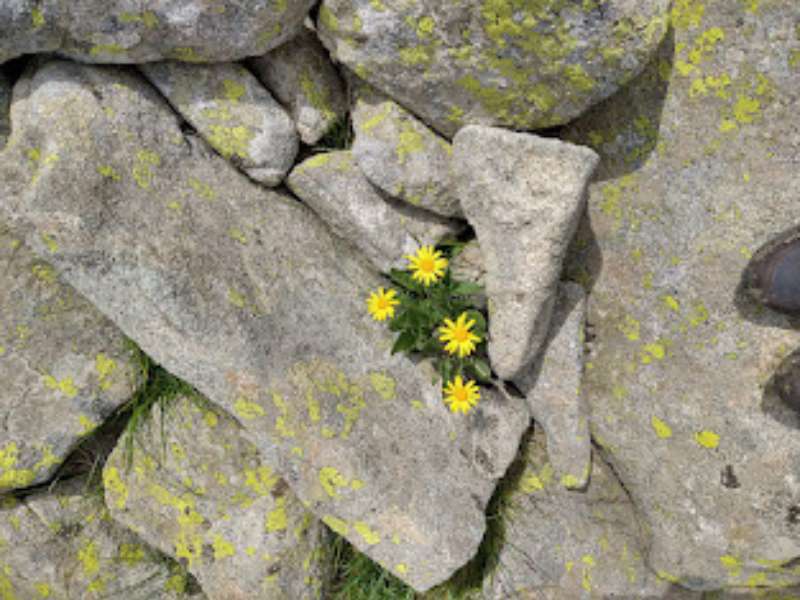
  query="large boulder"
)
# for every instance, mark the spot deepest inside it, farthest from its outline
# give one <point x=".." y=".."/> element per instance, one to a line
<point x="130" y="31"/>
<point x="244" y="293"/>
<point x="524" y="195"/>
<point x="64" y="367"/>
<point x="62" y="543"/>
<point x="525" y="65"/>
<point x="699" y="170"/>
<point x="193" y="487"/>
<point x="233" y="112"/>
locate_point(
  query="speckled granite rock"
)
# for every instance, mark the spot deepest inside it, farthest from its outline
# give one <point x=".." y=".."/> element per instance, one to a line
<point x="62" y="543"/>
<point x="245" y="294"/>
<point x="552" y="388"/>
<point x="199" y="492"/>
<point x="384" y="231"/>
<point x="401" y="155"/>
<point x="524" y="195"/>
<point x="64" y="367"/>
<point x="302" y="77"/>
<point x="5" y="105"/>
<point x="699" y="169"/>
<point x="232" y="111"/>
<point x="525" y="65"/>
<point x="129" y="31"/>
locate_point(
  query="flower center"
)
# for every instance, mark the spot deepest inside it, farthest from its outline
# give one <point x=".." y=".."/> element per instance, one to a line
<point x="460" y="334"/>
<point x="427" y="265"/>
<point x="460" y="394"/>
<point x="382" y="303"/>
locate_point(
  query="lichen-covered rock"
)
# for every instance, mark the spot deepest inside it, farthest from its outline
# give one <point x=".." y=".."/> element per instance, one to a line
<point x="244" y="293"/>
<point x="232" y="111"/>
<point x="401" y="155"/>
<point x="302" y="77"/>
<point x="5" y="105"/>
<point x="62" y="543"/>
<point x="199" y="492"/>
<point x="130" y="31"/>
<point x="513" y="63"/>
<point x="552" y="388"/>
<point x="699" y="170"/>
<point x="64" y="367"/>
<point x="385" y="231"/>
<point x="560" y="544"/>
<point x="524" y="195"/>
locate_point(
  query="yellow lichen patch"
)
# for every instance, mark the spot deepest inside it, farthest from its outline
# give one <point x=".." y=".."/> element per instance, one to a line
<point x="204" y="190"/>
<point x="222" y="548"/>
<point x="732" y="564"/>
<point x="86" y="424"/>
<point x="687" y="14"/>
<point x="662" y="430"/>
<point x="699" y="314"/>
<point x="671" y="303"/>
<point x="42" y="588"/>
<point x="318" y="98"/>
<point x="188" y="542"/>
<point x="653" y="351"/>
<point x="277" y="519"/>
<point x="142" y="170"/>
<point x="535" y="482"/>
<point x="707" y="439"/>
<point x="231" y="141"/>
<point x="66" y="385"/>
<point x="336" y="525"/>
<point x="237" y="234"/>
<point x="409" y="142"/>
<point x="187" y="54"/>
<point x="10" y="476"/>
<point x="630" y="327"/>
<point x="401" y="569"/>
<point x="44" y="273"/>
<point x="50" y="243"/>
<point x="384" y="384"/>
<point x="210" y="418"/>
<point x="115" y="488"/>
<point x="247" y="409"/>
<point x="331" y="480"/>
<point x="237" y="299"/>
<point x="89" y="558"/>
<point x="109" y="172"/>
<point x="368" y="535"/>
<point x="105" y="368"/>
<point x="233" y="90"/>
<point x="131" y="554"/>
<point x="37" y="17"/>
<point x="260" y="480"/>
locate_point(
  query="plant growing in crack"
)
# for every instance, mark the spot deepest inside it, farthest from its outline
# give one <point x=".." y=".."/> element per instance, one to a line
<point x="435" y="316"/>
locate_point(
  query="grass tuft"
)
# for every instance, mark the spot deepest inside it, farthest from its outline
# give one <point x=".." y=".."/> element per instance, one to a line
<point x="339" y="137"/>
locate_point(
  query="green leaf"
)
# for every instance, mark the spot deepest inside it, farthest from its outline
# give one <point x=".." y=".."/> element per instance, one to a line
<point x="480" y="368"/>
<point x="446" y="370"/>
<point x="480" y="322"/>
<point x="404" y="280"/>
<point x="404" y="342"/>
<point x="466" y="288"/>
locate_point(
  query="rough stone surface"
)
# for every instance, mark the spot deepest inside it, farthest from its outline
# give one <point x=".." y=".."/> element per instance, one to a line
<point x="63" y="544"/>
<point x="5" y="105"/>
<point x="199" y="492"/>
<point x="564" y="544"/>
<point x="699" y="170"/>
<point x="244" y="293"/>
<point x="232" y="111"/>
<point x="524" y="195"/>
<point x="401" y="155"/>
<point x="553" y="389"/>
<point x="468" y="265"/>
<point x="525" y="65"/>
<point x="129" y="31"/>
<point x="384" y="231"/>
<point x="64" y="367"/>
<point x="302" y="77"/>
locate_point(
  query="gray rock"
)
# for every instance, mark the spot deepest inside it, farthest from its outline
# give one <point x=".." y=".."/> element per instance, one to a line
<point x="524" y="195"/>
<point x="401" y="155"/>
<point x="232" y="111"/>
<point x="699" y="170"/>
<point x="199" y="492"/>
<point x="5" y="105"/>
<point x="562" y="544"/>
<point x="62" y="543"/>
<point x="244" y="293"/>
<point x="384" y="231"/>
<point x="64" y="366"/>
<point x="525" y="65"/>
<point x="125" y="31"/>
<point x="468" y="265"/>
<point x="302" y="77"/>
<point x="552" y="388"/>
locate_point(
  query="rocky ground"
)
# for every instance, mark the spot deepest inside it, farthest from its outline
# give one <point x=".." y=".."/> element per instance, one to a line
<point x="197" y="198"/>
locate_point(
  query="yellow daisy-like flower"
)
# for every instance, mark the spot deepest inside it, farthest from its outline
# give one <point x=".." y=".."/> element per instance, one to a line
<point x="457" y="336"/>
<point x="381" y="304"/>
<point x="427" y="266"/>
<point x="461" y="396"/>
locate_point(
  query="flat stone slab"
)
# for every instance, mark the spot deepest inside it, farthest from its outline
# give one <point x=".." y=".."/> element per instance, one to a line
<point x="245" y="294"/>
<point x="524" y="195"/>
<point x="522" y="65"/>
<point x="62" y="543"/>
<point x="233" y="112"/>
<point x="200" y="493"/>
<point x="64" y="367"/>
<point x="699" y="171"/>
<point x="135" y="32"/>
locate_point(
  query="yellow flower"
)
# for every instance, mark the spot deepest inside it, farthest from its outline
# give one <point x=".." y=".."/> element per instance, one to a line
<point x="381" y="304"/>
<point x="460" y="396"/>
<point x="457" y="336"/>
<point x="427" y="266"/>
